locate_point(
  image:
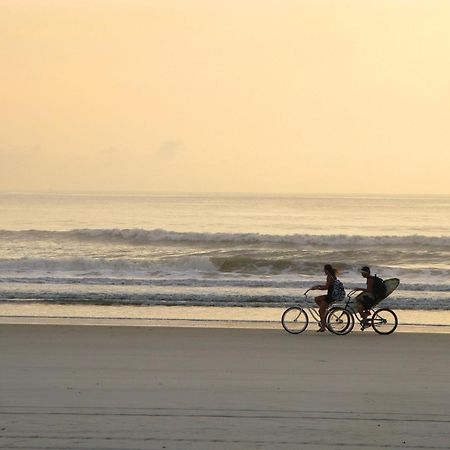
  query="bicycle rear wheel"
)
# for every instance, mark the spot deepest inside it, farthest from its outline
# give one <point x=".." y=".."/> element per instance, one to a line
<point x="340" y="321"/>
<point x="384" y="321"/>
<point x="295" y="320"/>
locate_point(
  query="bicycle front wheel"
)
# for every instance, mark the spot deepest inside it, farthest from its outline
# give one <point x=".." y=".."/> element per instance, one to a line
<point x="384" y="321"/>
<point x="295" y="320"/>
<point x="340" y="321"/>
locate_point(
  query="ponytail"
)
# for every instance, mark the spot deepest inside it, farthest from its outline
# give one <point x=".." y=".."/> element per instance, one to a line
<point x="331" y="270"/>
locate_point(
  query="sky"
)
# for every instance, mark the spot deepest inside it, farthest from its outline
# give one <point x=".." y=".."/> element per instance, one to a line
<point x="254" y="96"/>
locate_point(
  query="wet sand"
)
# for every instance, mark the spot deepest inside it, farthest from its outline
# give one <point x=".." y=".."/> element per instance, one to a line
<point x="189" y="316"/>
<point x="82" y="387"/>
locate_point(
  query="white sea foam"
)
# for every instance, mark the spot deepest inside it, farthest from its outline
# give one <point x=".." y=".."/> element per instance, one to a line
<point x="102" y="265"/>
<point x="263" y="263"/>
<point x="199" y="297"/>
<point x="274" y="283"/>
<point x="141" y="236"/>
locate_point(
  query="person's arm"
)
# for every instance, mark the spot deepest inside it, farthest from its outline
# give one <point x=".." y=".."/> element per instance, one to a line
<point x="369" y="287"/>
<point x="326" y="286"/>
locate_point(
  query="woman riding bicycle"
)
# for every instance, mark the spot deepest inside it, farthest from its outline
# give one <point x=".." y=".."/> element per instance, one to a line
<point x="324" y="301"/>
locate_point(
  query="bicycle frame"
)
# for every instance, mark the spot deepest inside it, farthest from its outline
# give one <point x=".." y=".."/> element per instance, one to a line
<point x="347" y="305"/>
<point x="299" y="315"/>
<point x="309" y="307"/>
<point x="354" y="311"/>
<point x="376" y="319"/>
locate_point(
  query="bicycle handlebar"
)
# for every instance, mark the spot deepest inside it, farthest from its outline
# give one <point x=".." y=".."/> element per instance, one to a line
<point x="352" y="292"/>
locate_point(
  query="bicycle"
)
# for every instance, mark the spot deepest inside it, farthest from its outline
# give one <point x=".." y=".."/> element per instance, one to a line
<point x="295" y="319"/>
<point x="341" y="319"/>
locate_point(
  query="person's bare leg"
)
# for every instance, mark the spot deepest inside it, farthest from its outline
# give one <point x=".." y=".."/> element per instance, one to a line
<point x="323" y="313"/>
<point x="321" y="303"/>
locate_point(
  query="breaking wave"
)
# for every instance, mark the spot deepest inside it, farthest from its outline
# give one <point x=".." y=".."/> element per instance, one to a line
<point x="138" y="236"/>
<point x="138" y="266"/>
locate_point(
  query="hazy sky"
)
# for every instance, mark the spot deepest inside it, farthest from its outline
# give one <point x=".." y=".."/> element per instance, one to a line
<point x="225" y="95"/>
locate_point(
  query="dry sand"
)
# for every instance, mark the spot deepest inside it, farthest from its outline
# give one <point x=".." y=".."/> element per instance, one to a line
<point x="82" y="387"/>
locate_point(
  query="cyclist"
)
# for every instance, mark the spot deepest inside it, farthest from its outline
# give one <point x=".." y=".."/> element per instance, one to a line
<point x="373" y="293"/>
<point x="324" y="301"/>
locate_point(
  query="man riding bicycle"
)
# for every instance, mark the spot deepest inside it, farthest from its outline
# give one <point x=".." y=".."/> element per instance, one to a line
<point x="373" y="293"/>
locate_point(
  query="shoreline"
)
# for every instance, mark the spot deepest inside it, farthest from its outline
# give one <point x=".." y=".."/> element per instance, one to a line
<point x="415" y="321"/>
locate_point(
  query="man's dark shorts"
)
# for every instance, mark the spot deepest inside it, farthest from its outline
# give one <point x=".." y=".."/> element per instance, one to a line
<point x="367" y="301"/>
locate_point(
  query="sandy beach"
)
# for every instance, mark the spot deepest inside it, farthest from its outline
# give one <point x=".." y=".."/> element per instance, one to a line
<point x="175" y="175"/>
<point x="431" y="321"/>
<point x="90" y="387"/>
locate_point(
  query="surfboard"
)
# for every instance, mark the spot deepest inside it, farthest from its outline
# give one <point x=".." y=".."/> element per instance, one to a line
<point x="391" y="286"/>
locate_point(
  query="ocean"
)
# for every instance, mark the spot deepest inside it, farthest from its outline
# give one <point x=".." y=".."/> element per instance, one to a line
<point x="218" y="249"/>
